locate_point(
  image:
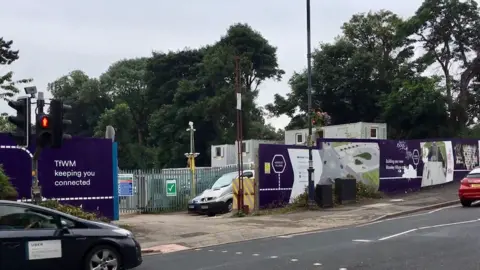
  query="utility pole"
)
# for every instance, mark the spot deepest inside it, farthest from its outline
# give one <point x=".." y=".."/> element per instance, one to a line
<point x="311" y="188"/>
<point x="41" y="122"/>
<point x="238" y="93"/>
<point x="191" y="158"/>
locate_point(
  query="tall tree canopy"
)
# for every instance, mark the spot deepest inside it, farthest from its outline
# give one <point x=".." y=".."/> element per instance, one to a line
<point x="420" y="75"/>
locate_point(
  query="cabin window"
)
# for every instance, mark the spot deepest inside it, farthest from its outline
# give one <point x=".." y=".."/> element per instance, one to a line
<point x="373" y="133"/>
<point x="244" y="147"/>
<point x="299" y="137"/>
<point x="218" y="151"/>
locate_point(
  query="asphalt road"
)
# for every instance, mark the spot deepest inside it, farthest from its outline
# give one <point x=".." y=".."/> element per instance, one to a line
<point x="441" y="239"/>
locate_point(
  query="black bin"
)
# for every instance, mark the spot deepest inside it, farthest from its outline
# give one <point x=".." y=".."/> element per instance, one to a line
<point x="324" y="195"/>
<point x="345" y="190"/>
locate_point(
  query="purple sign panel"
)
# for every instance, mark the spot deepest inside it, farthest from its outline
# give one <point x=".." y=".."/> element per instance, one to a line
<point x="391" y="166"/>
<point x="401" y="166"/>
<point x="80" y="173"/>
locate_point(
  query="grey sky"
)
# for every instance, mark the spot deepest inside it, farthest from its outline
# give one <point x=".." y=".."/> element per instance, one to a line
<point x="57" y="36"/>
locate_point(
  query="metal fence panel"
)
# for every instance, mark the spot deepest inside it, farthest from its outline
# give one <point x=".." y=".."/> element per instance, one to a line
<point x="150" y="188"/>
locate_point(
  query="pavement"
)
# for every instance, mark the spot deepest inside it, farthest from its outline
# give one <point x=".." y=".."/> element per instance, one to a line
<point x="180" y="231"/>
<point x="445" y="238"/>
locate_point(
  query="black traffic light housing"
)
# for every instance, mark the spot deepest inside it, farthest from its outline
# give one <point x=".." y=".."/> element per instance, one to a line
<point x="43" y="130"/>
<point x="21" y="121"/>
<point x="58" y="122"/>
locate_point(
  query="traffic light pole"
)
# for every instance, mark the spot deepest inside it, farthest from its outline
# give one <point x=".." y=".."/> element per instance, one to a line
<point x="36" y="188"/>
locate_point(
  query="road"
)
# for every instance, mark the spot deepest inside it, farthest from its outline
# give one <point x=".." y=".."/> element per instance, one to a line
<point x="441" y="239"/>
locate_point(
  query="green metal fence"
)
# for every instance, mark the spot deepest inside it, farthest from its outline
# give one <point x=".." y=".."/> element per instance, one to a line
<point x="169" y="190"/>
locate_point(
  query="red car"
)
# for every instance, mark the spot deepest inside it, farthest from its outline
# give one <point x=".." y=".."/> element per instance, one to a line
<point x="469" y="190"/>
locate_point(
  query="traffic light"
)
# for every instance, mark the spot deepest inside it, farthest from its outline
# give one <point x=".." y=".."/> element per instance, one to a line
<point x="21" y="121"/>
<point x="58" y="122"/>
<point x="43" y="130"/>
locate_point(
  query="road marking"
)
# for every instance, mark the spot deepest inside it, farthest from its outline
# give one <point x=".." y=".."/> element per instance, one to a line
<point x="362" y="240"/>
<point x="429" y="227"/>
<point x="211" y="250"/>
<point x="443" y="208"/>
<point x="317" y="264"/>
<point x="255" y="254"/>
<point x="238" y="253"/>
<point x="448" y="224"/>
<point x="397" y="234"/>
<point x="286" y="236"/>
<point x="224" y="251"/>
<point x="294" y="260"/>
<point x="273" y="257"/>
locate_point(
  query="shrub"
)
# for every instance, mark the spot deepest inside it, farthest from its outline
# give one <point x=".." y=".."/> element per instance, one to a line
<point x="73" y="210"/>
<point x="7" y="190"/>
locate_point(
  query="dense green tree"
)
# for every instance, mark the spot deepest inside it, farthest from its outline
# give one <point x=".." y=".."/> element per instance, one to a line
<point x="8" y="85"/>
<point x="449" y="31"/>
<point x="87" y="98"/>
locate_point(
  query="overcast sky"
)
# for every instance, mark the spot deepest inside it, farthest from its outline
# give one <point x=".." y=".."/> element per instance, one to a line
<point x="57" y="36"/>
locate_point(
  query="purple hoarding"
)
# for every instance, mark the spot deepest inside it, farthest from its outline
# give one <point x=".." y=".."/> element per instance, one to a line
<point x="80" y="173"/>
<point x="389" y="165"/>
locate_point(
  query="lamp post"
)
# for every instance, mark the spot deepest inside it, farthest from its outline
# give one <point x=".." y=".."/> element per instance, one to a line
<point x="311" y="188"/>
<point x="191" y="157"/>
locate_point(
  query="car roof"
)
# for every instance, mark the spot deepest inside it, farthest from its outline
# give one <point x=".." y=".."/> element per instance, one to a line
<point x="24" y="204"/>
<point x="475" y="171"/>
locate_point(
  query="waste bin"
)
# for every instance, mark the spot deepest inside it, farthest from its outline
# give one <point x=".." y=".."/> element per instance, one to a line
<point x="324" y="195"/>
<point x="345" y="190"/>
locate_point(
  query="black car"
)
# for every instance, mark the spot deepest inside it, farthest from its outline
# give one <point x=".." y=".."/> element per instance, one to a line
<point x="38" y="238"/>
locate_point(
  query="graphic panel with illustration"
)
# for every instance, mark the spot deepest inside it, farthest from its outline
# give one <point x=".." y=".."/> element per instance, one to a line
<point x="400" y="166"/>
<point x="466" y="154"/>
<point x="357" y="159"/>
<point x="437" y="157"/>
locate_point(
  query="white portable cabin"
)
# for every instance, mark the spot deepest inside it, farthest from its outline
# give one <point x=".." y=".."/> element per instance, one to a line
<point x="297" y="136"/>
<point x="223" y="155"/>
<point x="250" y="149"/>
<point x="360" y="130"/>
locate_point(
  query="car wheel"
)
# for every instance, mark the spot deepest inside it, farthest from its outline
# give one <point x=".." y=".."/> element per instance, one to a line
<point x="229" y="206"/>
<point x="465" y="203"/>
<point x="102" y="258"/>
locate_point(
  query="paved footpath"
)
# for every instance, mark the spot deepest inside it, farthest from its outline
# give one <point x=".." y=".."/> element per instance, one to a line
<point x="446" y="238"/>
<point x="174" y="232"/>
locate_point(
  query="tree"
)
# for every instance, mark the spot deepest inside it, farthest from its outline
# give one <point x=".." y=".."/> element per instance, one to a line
<point x="87" y="98"/>
<point x="125" y="81"/>
<point x="5" y="125"/>
<point x="352" y="75"/>
<point x="449" y="32"/>
<point x="7" y="57"/>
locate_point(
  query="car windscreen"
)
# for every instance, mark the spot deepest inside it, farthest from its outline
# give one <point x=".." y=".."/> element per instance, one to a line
<point x="224" y="180"/>
<point x="473" y="175"/>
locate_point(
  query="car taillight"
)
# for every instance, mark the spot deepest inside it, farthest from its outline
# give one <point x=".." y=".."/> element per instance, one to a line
<point x="465" y="182"/>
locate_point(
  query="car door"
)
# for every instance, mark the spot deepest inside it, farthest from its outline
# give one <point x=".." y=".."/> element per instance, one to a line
<point x="28" y="239"/>
<point x="76" y="240"/>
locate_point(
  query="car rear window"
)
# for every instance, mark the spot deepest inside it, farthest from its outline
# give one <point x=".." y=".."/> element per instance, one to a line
<point x="473" y="175"/>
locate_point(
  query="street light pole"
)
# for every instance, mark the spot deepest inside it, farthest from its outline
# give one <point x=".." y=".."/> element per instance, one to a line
<point x="191" y="157"/>
<point x="311" y="170"/>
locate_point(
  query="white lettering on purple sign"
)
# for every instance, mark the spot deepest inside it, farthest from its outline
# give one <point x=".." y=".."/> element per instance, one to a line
<point x="392" y="164"/>
<point x="67" y="169"/>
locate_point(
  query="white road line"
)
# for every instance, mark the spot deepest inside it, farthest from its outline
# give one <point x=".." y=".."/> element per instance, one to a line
<point x="294" y="260"/>
<point x="256" y="255"/>
<point x="443" y="208"/>
<point x="317" y="264"/>
<point x="362" y="240"/>
<point x="397" y="234"/>
<point x="429" y="227"/>
<point x="448" y="224"/>
<point x="407" y="216"/>
<point x="273" y="257"/>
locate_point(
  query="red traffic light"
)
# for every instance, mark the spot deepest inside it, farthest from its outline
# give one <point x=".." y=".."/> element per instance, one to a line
<point x="44" y="122"/>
